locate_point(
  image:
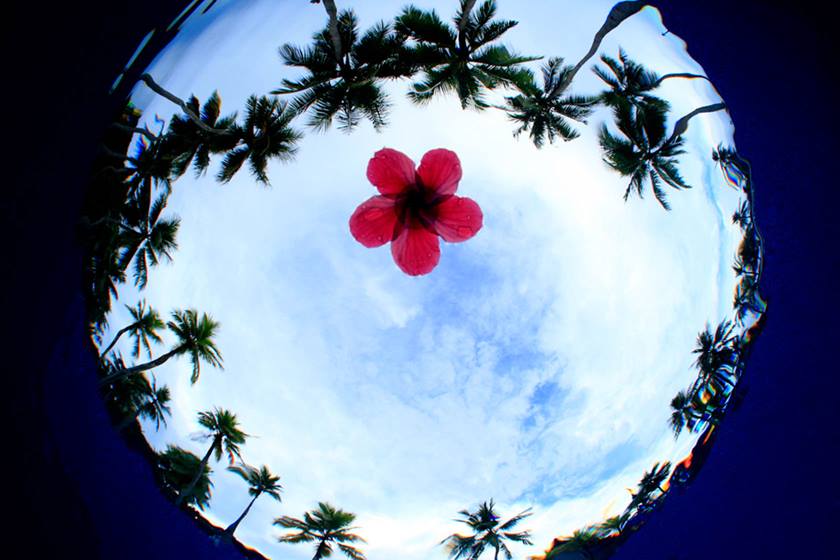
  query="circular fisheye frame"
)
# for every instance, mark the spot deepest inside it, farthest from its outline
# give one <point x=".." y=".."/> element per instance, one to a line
<point x="449" y="278"/>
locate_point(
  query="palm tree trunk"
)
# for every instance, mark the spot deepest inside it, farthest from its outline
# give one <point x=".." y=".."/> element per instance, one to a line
<point x="158" y="89"/>
<point x="335" y="36"/>
<point x="191" y="486"/>
<point x="136" y="130"/>
<point x="617" y="15"/>
<point x="462" y="25"/>
<point x="318" y="554"/>
<point x="142" y="367"/>
<point x="232" y="527"/>
<point x="121" y="332"/>
<point x="496" y="556"/>
<point x="679" y="75"/>
<point x="682" y="124"/>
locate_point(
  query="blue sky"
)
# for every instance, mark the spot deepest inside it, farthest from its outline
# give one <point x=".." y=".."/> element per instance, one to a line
<point x="534" y="365"/>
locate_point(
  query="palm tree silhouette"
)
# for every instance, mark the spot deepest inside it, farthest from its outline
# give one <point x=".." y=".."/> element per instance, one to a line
<point x="344" y="84"/>
<point x="685" y="411"/>
<point x="632" y="82"/>
<point x="260" y="481"/>
<point x="178" y="466"/>
<point x="143" y="329"/>
<point x="747" y="299"/>
<point x="194" y="336"/>
<point x="151" y="402"/>
<point x="150" y="163"/>
<point x="266" y="134"/>
<point x="741" y="216"/>
<point x="326" y="525"/>
<point x="715" y="354"/>
<point x="191" y="144"/>
<point x="643" y="152"/>
<point x="651" y="482"/>
<point x="146" y="238"/>
<point x="225" y="435"/>
<point x="545" y="110"/>
<point x="487" y="532"/>
<point x="460" y="58"/>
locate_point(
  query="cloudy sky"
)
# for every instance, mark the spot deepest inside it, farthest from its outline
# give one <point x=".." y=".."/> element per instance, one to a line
<point x="534" y="365"/>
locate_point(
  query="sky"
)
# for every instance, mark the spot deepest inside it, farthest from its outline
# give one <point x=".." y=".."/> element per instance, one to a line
<point x="534" y="365"/>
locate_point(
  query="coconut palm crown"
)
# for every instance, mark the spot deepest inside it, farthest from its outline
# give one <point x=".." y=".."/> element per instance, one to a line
<point x="487" y="532"/>
<point x="629" y="82"/>
<point x="145" y="236"/>
<point x="461" y="58"/>
<point x="345" y="85"/>
<point x="642" y="151"/>
<point x="177" y="466"/>
<point x="326" y="526"/>
<point x="715" y="353"/>
<point x="546" y="110"/>
<point x="265" y="134"/>
<point x="191" y="144"/>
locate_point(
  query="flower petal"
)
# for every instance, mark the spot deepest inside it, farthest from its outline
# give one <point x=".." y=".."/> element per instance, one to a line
<point x="390" y="171"/>
<point x="372" y="224"/>
<point x="416" y="250"/>
<point x="440" y="171"/>
<point x="458" y="218"/>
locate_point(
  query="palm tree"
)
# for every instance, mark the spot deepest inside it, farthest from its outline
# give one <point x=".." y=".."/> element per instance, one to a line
<point x="747" y="299"/>
<point x="195" y="338"/>
<point x="715" y="353"/>
<point x="144" y="327"/>
<point x="176" y="467"/>
<point x="461" y="58"/>
<point x="191" y="144"/>
<point x="102" y="275"/>
<point x="651" y="482"/>
<point x="225" y="436"/>
<point x="643" y="152"/>
<point x="685" y="411"/>
<point x="613" y="526"/>
<point x="742" y="268"/>
<point x="154" y="403"/>
<point x="582" y="541"/>
<point x="150" y="163"/>
<point x="146" y="238"/>
<point x="545" y="109"/>
<point x="343" y="82"/>
<point x="741" y="216"/>
<point x="324" y="525"/>
<point x="260" y="481"/>
<point x="487" y="531"/>
<point x="632" y="82"/>
<point x="265" y="134"/>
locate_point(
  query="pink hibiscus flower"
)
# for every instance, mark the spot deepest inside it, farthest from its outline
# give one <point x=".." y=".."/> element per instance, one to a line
<point x="415" y="208"/>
